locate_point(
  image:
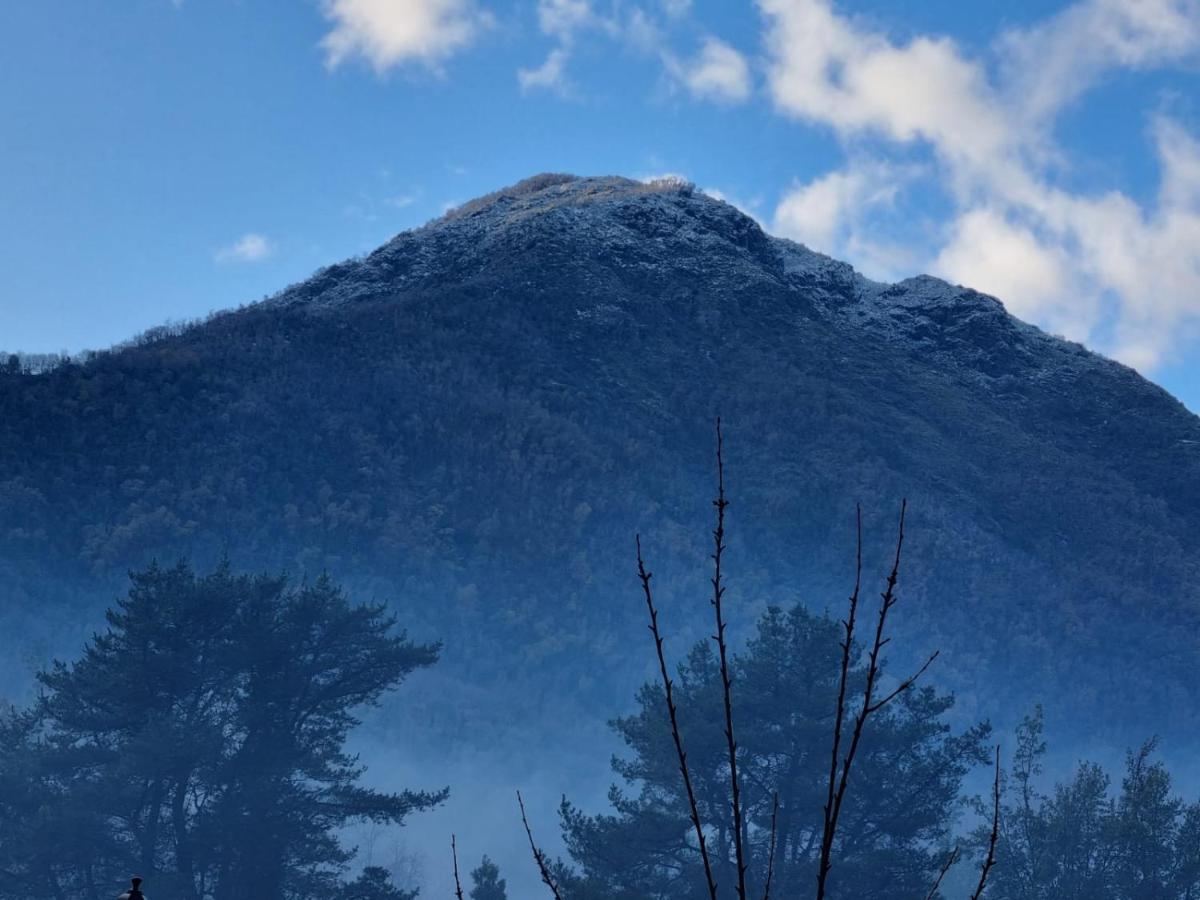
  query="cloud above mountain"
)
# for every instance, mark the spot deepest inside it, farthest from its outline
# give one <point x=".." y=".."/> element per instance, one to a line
<point x="1096" y="265"/>
<point x="388" y="33"/>
<point x="249" y="248"/>
<point x="974" y="126"/>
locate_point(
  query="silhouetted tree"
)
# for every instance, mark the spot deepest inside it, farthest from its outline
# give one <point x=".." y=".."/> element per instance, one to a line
<point x="895" y="821"/>
<point x="200" y="738"/>
<point x="1079" y="842"/>
<point x="488" y="885"/>
<point x="374" y="884"/>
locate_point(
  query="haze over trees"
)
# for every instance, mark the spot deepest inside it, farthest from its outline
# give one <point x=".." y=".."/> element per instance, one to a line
<point x="200" y="741"/>
<point x="1088" y="838"/>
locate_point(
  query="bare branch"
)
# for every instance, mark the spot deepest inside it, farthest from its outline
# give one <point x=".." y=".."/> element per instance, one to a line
<point x="673" y="714"/>
<point x="946" y="867"/>
<point x="538" y="856"/>
<point x="771" y="851"/>
<point x="995" y="836"/>
<point x="839" y="721"/>
<point x="837" y="795"/>
<point x="457" y="884"/>
<point x="735" y="793"/>
<point x="905" y="685"/>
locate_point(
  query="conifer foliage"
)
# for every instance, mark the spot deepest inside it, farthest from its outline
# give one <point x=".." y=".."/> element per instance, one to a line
<point x="200" y="740"/>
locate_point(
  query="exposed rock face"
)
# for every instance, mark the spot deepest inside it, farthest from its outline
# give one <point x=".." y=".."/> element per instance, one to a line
<point x="474" y="419"/>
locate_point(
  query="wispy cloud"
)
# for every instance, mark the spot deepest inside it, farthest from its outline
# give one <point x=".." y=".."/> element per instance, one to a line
<point x="249" y="248"/>
<point x="1097" y="265"/>
<point x="567" y="21"/>
<point x="390" y="33"/>
<point x="717" y="72"/>
<point x="550" y="75"/>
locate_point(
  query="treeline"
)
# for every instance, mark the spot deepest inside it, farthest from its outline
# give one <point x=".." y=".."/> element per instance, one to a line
<point x="1083" y="841"/>
<point x="200" y="742"/>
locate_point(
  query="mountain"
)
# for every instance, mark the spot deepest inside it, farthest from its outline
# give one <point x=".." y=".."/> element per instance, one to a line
<point x="474" y="420"/>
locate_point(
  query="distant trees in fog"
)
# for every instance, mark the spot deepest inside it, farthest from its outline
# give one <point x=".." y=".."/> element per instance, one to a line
<point x="486" y="883"/>
<point x="1082" y="841"/>
<point x="200" y="741"/>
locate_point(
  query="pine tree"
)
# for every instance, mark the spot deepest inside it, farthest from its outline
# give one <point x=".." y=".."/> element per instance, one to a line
<point x="894" y="823"/>
<point x="488" y="885"/>
<point x="200" y="740"/>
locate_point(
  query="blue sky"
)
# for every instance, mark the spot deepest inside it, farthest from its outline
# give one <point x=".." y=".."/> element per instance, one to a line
<point x="163" y="158"/>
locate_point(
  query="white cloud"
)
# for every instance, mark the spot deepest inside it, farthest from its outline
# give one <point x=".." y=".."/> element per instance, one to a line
<point x="1052" y="63"/>
<point x="389" y="33"/>
<point x="550" y="75"/>
<point x="842" y="213"/>
<point x="997" y="256"/>
<point x="718" y="72"/>
<point x="817" y="213"/>
<point x="562" y="19"/>
<point x="826" y="70"/>
<point x="248" y="248"/>
<point x="677" y="9"/>
<point x="1101" y="267"/>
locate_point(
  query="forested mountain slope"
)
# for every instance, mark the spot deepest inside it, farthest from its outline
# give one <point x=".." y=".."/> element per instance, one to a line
<point x="473" y="421"/>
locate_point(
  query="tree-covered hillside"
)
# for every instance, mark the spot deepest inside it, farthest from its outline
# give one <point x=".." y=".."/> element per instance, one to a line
<point x="472" y="421"/>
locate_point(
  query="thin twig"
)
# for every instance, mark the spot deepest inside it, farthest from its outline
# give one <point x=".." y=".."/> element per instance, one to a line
<point x="946" y="867"/>
<point x="457" y="884"/>
<point x="538" y="856"/>
<point x="869" y="705"/>
<point x="673" y="715"/>
<point x="995" y="836"/>
<point x="735" y="794"/>
<point x="771" y="851"/>
<point x="905" y="684"/>
<point x="848" y="625"/>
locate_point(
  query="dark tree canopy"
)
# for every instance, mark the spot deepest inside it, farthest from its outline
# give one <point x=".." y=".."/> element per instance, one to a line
<point x="1083" y="842"/>
<point x="898" y="816"/>
<point x="200" y="741"/>
<point x="487" y="883"/>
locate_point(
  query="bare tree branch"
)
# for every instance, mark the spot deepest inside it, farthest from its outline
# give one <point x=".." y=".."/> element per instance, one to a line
<point x="673" y="714"/>
<point x="836" y="795"/>
<point x="538" y="856"/>
<point x="905" y="684"/>
<point x="946" y="867"/>
<point x="990" y="861"/>
<point x="848" y="625"/>
<point x="458" y="892"/>
<point x="735" y="793"/>
<point x="771" y="850"/>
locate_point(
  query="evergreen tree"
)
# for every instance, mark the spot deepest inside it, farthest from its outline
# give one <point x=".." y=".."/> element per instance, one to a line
<point x="374" y="884"/>
<point x="896" y="821"/>
<point x="200" y="739"/>
<point x="1080" y="842"/>
<point x="487" y="883"/>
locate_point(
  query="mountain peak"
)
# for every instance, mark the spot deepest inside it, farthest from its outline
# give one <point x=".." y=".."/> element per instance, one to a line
<point x="550" y="190"/>
<point x="606" y="225"/>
